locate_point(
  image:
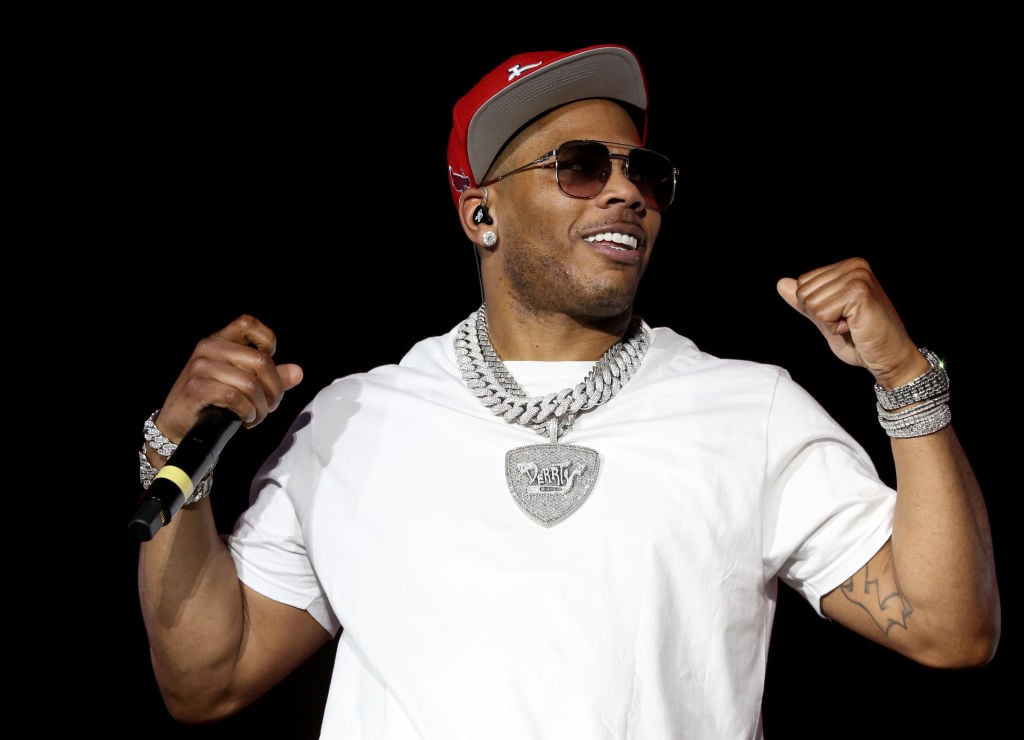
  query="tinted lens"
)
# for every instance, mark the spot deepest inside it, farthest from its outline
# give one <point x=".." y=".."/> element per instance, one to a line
<point x="654" y="176"/>
<point x="585" y="166"/>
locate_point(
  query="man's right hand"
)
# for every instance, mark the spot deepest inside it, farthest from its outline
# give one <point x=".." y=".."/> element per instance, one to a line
<point x="232" y="368"/>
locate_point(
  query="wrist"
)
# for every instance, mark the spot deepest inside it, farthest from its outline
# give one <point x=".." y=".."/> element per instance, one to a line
<point x="158" y="446"/>
<point x="155" y="439"/>
<point x="929" y="384"/>
<point x="919" y="407"/>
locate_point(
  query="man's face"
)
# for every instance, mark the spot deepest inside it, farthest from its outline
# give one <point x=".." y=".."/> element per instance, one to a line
<point x="579" y="256"/>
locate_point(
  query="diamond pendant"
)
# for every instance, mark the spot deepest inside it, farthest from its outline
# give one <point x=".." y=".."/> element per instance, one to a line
<point x="551" y="481"/>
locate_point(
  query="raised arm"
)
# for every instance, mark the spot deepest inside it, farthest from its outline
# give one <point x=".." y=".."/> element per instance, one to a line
<point x="215" y="644"/>
<point x="930" y="593"/>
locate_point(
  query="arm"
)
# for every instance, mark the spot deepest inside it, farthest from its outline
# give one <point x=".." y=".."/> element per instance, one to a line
<point x="215" y="644"/>
<point x="930" y="592"/>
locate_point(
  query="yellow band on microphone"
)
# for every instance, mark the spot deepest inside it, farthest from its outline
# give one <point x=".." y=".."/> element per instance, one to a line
<point x="178" y="477"/>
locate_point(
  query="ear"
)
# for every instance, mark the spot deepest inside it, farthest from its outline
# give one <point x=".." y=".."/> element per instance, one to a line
<point x="470" y="200"/>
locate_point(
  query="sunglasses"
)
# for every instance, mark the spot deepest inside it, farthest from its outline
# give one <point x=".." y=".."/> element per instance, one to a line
<point x="583" y="167"/>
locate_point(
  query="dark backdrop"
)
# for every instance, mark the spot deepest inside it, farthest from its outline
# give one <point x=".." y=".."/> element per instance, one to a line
<point x="297" y="171"/>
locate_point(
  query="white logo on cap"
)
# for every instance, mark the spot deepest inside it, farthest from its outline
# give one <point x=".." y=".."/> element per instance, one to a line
<point x="517" y="69"/>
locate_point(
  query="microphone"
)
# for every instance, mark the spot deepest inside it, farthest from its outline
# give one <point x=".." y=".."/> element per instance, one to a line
<point x="187" y="465"/>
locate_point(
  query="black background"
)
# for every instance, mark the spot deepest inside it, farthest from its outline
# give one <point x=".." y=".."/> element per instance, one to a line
<point x="295" y="168"/>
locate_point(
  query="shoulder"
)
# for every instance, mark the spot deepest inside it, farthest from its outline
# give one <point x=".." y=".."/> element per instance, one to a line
<point x="676" y="367"/>
<point x="428" y="360"/>
<point x="674" y="354"/>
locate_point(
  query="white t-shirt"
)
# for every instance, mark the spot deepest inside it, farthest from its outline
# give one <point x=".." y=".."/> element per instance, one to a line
<point x="646" y="613"/>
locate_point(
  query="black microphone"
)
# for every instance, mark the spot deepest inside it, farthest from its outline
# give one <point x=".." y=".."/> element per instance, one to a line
<point x="187" y="465"/>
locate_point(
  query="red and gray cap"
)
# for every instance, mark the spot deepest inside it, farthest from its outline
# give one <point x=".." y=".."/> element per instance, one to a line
<point x="527" y="85"/>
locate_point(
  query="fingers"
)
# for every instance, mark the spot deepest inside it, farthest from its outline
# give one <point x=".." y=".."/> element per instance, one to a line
<point x="786" y="287"/>
<point x="232" y="368"/>
<point x="847" y="304"/>
<point x="247" y="329"/>
<point x="831" y="296"/>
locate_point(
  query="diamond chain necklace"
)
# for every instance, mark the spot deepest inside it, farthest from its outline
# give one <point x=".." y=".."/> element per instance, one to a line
<point x="548" y="481"/>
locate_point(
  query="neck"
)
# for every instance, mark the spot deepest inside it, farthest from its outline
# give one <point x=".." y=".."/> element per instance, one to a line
<point x="551" y="336"/>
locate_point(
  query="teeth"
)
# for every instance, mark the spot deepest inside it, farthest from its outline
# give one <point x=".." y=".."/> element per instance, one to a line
<point x="626" y="240"/>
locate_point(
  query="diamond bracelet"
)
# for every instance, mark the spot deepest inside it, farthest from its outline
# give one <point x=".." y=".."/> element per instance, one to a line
<point x="932" y="383"/>
<point x="164" y="446"/>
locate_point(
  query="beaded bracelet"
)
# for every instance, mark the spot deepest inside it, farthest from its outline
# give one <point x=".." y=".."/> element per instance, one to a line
<point x="160" y="443"/>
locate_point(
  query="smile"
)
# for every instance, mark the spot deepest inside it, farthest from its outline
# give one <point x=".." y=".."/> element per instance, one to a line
<point x="627" y="241"/>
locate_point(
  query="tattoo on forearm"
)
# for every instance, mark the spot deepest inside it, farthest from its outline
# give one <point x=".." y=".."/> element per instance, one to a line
<point x="887" y="606"/>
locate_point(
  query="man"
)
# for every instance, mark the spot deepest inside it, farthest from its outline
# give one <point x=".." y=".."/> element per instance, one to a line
<point x="555" y="520"/>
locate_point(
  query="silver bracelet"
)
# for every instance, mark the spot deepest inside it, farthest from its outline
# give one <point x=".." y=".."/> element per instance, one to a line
<point x="147" y="473"/>
<point x="906" y="415"/>
<point x="160" y="443"/>
<point x="936" y="417"/>
<point x="930" y="384"/>
<point x="155" y="437"/>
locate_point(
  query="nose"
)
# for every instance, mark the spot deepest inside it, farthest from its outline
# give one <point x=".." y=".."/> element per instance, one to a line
<point x="619" y="188"/>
